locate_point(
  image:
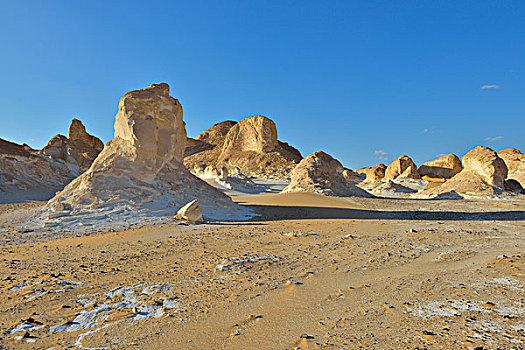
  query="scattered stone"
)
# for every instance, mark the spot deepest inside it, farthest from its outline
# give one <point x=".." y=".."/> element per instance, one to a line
<point x="191" y="212"/>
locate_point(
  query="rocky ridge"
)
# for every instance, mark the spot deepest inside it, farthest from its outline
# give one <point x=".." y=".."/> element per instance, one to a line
<point x="27" y="174"/>
<point x="249" y="148"/>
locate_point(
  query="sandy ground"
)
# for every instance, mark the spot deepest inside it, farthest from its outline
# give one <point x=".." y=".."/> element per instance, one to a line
<point x="310" y="272"/>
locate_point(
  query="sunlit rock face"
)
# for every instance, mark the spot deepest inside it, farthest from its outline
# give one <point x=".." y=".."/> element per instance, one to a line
<point x="443" y="167"/>
<point x="247" y="148"/>
<point x="257" y="134"/>
<point x="402" y="167"/>
<point x="483" y="175"/>
<point x="515" y="161"/>
<point x="487" y="164"/>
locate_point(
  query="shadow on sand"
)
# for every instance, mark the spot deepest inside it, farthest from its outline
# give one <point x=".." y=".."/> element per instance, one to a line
<point x="280" y="212"/>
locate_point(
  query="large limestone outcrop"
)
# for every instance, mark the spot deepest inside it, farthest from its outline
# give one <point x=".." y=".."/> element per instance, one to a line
<point x="488" y="164"/>
<point x="247" y="148"/>
<point x="27" y="174"/>
<point x="402" y="167"/>
<point x="483" y="175"/>
<point x="443" y="167"/>
<point x="515" y="161"/>
<point x="322" y="174"/>
<point x="258" y="134"/>
<point x="138" y="177"/>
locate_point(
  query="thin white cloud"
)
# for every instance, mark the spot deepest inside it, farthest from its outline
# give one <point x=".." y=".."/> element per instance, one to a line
<point x="484" y="87"/>
<point x="381" y="152"/>
<point x="425" y="130"/>
<point x="382" y="158"/>
<point x="492" y="139"/>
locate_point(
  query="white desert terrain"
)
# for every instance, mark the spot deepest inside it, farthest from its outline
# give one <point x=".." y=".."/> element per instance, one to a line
<point x="234" y="240"/>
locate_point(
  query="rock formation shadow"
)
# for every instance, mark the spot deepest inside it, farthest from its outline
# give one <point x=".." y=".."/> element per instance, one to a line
<point x="282" y="212"/>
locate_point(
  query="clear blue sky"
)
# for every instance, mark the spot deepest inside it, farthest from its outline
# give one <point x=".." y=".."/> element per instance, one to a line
<point x="353" y="78"/>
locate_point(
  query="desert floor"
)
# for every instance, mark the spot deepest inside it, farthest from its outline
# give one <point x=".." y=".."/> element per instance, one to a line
<point x="310" y="272"/>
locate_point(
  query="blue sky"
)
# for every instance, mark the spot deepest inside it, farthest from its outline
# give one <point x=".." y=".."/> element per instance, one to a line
<point x="365" y="81"/>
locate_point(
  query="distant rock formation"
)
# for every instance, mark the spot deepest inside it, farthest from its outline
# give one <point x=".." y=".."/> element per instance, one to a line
<point x="78" y="149"/>
<point x="351" y="175"/>
<point x="376" y="173"/>
<point x="248" y="148"/>
<point x="515" y="161"/>
<point x="402" y="167"/>
<point x="217" y="133"/>
<point x="443" y="167"/>
<point x="386" y="189"/>
<point x="139" y="175"/>
<point x="483" y="175"/>
<point x="27" y="174"/>
<point x="322" y="174"/>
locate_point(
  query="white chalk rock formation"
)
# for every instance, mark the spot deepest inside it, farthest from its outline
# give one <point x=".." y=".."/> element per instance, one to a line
<point x="483" y="175"/>
<point x="191" y="212"/>
<point x="376" y="173"/>
<point x="249" y="148"/>
<point x="402" y="167"/>
<point x="321" y="174"/>
<point x="257" y="134"/>
<point x="139" y="177"/>
<point x="443" y="167"/>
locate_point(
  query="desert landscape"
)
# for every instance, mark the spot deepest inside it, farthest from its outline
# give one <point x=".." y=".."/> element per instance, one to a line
<point x="236" y="240"/>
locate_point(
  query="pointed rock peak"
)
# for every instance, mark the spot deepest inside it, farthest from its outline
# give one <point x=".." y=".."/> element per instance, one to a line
<point x="77" y="130"/>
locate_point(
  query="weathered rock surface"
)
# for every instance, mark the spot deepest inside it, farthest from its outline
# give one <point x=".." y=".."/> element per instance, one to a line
<point x="376" y="173"/>
<point x="217" y="133"/>
<point x="248" y="148"/>
<point x="86" y="146"/>
<point x="256" y="133"/>
<point x="513" y="186"/>
<point x="386" y="189"/>
<point x="139" y="177"/>
<point x="195" y="146"/>
<point x="351" y="175"/>
<point x="8" y="147"/>
<point x="488" y="164"/>
<point x="403" y="166"/>
<point x="483" y="175"/>
<point x="515" y="162"/>
<point x="191" y="212"/>
<point x="322" y="174"/>
<point x="443" y="167"/>
<point x="27" y="174"/>
<point x="79" y="149"/>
